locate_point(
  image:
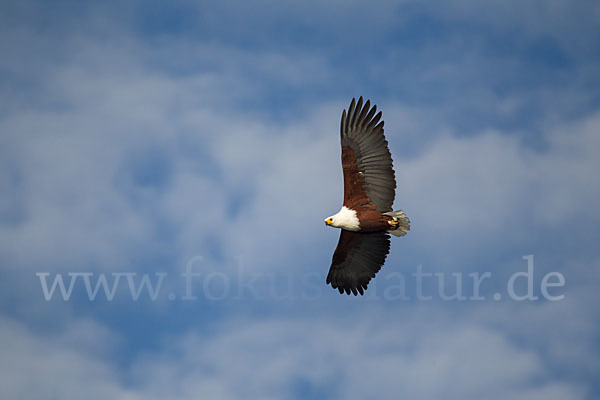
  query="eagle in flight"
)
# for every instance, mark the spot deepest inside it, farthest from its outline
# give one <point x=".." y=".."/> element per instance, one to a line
<point x="366" y="218"/>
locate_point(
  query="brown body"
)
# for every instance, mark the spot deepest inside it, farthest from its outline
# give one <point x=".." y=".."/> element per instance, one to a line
<point x="355" y="196"/>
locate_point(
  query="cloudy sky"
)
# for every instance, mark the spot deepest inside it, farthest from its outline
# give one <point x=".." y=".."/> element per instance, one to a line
<point x="146" y="140"/>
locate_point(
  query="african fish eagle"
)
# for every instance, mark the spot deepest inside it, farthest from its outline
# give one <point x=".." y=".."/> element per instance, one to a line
<point x="366" y="218"/>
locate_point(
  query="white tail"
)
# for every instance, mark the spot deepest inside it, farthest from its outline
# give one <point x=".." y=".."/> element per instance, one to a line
<point x="403" y="223"/>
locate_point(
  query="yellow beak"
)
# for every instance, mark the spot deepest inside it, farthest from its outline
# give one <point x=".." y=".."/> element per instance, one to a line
<point x="328" y="221"/>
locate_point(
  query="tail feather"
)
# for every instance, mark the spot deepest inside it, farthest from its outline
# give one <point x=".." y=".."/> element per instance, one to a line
<point x="403" y="223"/>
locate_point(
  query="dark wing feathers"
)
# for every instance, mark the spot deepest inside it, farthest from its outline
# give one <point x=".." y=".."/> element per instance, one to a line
<point x="357" y="258"/>
<point x="362" y="131"/>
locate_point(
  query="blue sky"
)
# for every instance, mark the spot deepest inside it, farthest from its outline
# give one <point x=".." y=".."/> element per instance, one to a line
<point x="139" y="137"/>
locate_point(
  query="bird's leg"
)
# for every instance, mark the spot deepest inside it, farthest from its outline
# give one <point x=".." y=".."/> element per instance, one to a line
<point x="393" y="222"/>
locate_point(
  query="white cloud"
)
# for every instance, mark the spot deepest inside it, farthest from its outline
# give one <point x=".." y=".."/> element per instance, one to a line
<point x="414" y="356"/>
<point x="33" y="367"/>
<point x="478" y="189"/>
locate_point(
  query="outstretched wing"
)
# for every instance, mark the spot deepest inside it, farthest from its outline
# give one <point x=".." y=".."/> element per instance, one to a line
<point x="357" y="258"/>
<point x="366" y="160"/>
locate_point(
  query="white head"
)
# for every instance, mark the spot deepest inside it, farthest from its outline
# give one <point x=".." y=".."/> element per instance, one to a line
<point x="345" y="218"/>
